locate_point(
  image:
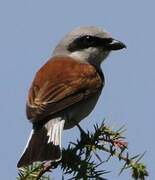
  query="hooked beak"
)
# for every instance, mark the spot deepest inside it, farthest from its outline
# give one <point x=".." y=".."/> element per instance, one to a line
<point x="115" y="45"/>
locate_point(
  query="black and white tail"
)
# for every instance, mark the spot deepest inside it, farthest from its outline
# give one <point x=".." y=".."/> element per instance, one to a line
<point x="43" y="144"/>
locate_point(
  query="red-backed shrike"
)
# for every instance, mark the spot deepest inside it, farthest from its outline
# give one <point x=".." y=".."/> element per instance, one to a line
<point x="65" y="90"/>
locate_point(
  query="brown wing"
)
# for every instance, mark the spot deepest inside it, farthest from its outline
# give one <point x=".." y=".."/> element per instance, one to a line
<point x="60" y="83"/>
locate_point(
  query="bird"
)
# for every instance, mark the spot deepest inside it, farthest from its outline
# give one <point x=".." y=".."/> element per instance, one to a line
<point x="65" y="90"/>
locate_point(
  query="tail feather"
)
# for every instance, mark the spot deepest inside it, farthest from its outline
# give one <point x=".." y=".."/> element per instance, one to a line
<point x="43" y="144"/>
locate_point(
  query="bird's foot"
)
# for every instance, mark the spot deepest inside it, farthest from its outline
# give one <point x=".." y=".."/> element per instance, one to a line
<point x="81" y="130"/>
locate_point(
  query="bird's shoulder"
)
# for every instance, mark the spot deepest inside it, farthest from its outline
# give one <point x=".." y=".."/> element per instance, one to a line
<point x="63" y="68"/>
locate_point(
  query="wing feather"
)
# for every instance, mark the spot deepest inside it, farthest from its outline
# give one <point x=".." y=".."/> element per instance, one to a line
<point x="60" y="83"/>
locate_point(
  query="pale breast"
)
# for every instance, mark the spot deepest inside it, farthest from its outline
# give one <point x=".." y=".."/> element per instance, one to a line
<point x="79" y="111"/>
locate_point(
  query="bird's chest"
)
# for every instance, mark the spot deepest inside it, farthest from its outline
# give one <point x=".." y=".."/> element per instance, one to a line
<point x="80" y="110"/>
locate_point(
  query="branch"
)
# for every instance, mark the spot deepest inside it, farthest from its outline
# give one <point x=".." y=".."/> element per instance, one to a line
<point x="77" y="158"/>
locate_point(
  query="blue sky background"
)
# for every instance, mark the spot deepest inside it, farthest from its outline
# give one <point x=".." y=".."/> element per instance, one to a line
<point x="30" y="29"/>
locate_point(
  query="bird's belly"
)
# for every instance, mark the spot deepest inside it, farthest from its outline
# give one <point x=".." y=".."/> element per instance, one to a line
<point x="80" y="110"/>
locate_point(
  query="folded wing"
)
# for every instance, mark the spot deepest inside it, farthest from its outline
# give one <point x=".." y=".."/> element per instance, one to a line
<point x="60" y="83"/>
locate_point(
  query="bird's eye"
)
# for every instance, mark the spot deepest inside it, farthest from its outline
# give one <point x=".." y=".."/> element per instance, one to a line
<point x="88" y="38"/>
<point x="82" y="43"/>
<point x="87" y="41"/>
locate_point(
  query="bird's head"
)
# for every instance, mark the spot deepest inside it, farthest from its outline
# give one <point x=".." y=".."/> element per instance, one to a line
<point x="88" y="44"/>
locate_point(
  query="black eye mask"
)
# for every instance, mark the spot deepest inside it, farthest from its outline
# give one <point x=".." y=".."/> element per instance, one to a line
<point x="87" y="41"/>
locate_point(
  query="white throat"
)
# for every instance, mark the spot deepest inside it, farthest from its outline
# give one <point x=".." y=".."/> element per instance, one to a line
<point x="90" y="55"/>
